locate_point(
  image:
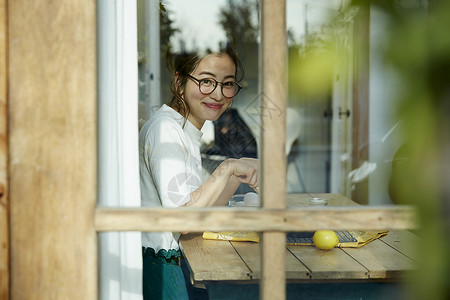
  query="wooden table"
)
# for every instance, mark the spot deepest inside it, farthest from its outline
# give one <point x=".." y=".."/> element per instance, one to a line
<point x="387" y="258"/>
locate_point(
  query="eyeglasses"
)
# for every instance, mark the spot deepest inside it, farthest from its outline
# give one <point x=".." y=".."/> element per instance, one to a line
<point x="208" y="85"/>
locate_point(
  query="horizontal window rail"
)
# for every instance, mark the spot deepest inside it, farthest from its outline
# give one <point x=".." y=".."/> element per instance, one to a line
<point x="255" y="219"/>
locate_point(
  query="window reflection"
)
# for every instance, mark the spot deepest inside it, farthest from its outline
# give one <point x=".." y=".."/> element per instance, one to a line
<point x="337" y="141"/>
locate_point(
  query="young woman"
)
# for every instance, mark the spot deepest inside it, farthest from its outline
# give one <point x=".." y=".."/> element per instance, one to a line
<point x="203" y="87"/>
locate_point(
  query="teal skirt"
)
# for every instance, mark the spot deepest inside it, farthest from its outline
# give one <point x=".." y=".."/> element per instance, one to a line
<point x="162" y="275"/>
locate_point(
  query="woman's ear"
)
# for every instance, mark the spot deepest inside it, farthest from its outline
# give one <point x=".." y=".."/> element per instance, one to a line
<point x="177" y="80"/>
<point x="179" y="87"/>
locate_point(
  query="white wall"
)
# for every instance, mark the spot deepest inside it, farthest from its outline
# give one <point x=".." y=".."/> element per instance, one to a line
<point x="383" y="87"/>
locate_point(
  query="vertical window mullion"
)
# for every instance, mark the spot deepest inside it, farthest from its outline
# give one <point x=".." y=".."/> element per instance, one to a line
<point x="273" y="93"/>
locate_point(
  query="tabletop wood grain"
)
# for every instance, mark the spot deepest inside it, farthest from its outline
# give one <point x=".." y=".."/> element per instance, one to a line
<point x="390" y="257"/>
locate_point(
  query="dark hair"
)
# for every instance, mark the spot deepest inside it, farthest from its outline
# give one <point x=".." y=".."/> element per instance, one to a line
<point x="181" y="65"/>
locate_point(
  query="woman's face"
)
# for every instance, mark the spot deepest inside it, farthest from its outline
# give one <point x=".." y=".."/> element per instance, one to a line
<point x="209" y="107"/>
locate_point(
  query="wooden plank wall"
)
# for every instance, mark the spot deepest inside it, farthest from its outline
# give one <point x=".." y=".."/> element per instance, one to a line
<point x="4" y="205"/>
<point x="52" y="127"/>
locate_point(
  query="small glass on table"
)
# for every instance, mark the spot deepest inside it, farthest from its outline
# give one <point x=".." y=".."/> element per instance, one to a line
<point x="314" y="201"/>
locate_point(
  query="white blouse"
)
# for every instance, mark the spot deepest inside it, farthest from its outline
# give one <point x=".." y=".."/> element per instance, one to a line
<point x="170" y="168"/>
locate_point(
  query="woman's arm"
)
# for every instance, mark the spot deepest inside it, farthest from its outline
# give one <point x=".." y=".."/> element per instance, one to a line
<point x="228" y="192"/>
<point x="223" y="182"/>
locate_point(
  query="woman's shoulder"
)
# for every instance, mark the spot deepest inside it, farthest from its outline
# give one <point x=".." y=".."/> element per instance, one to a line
<point x="163" y="122"/>
<point x="166" y="114"/>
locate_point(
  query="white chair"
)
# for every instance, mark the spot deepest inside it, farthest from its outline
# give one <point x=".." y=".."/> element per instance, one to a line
<point x="251" y="116"/>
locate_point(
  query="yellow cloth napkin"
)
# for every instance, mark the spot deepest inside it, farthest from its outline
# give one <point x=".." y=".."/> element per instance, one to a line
<point x="362" y="237"/>
<point x="232" y="236"/>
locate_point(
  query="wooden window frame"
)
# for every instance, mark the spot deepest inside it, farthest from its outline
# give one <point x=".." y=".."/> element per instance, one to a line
<point x="4" y="205"/>
<point x="48" y="159"/>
